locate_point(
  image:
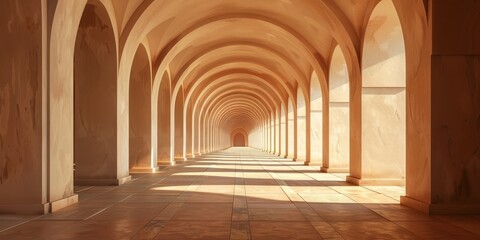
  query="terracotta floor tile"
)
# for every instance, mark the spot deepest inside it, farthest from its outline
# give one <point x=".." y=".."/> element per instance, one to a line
<point x="275" y="214"/>
<point x="438" y="230"/>
<point x="283" y="230"/>
<point x="183" y="230"/>
<point x="326" y="198"/>
<point x="204" y="211"/>
<point x="346" y="213"/>
<point x="360" y="230"/>
<point x="238" y="194"/>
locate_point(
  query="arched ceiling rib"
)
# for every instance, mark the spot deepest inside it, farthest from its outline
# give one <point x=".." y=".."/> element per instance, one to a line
<point x="222" y="51"/>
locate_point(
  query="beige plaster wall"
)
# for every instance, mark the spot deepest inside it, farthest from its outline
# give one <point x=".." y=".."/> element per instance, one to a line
<point x="95" y="85"/>
<point x="140" y="111"/>
<point x="21" y="155"/>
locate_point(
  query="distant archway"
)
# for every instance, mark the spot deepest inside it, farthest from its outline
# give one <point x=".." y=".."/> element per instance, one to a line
<point x="239" y="138"/>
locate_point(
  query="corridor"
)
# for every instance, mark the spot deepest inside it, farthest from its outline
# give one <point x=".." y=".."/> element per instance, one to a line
<point x="238" y="193"/>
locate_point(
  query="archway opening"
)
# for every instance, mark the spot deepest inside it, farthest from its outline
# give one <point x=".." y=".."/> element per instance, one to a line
<point x="95" y="99"/>
<point x="339" y="115"/>
<point x="301" y="126"/>
<point x="239" y="140"/>
<point x="384" y="98"/>
<point x="178" y="131"/>
<point x="316" y="121"/>
<point x="140" y="112"/>
<point x="291" y="130"/>
<point x="163" y="121"/>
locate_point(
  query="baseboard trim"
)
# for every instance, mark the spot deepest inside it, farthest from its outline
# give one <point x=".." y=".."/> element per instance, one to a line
<point x="65" y="202"/>
<point x="440" y="209"/>
<point x="334" y="170"/>
<point x="103" y="182"/>
<point x="376" y="182"/>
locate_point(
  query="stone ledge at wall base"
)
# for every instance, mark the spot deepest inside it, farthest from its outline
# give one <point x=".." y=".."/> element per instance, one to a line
<point x="334" y="170"/>
<point x="315" y="163"/>
<point x="376" y="182"/>
<point x="40" y="208"/>
<point x="144" y="170"/>
<point x="180" y="160"/>
<point x="440" y="209"/>
<point x="102" y="182"/>
<point x="59" y="204"/>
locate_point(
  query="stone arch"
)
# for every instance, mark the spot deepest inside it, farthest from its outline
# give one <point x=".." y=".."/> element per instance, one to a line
<point x="383" y="98"/>
<point x="95" y="98"/>
<point x="339" y="115"/>
<point x="140" y="113"/>
<point x="316" y="121"/>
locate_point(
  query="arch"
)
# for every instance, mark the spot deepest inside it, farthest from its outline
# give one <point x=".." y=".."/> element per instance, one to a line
<point x="316" y="118"/>
<point x="95" y="99"/>
<point x="239" y="138"/>
<point x="383" y="98"/>
<point x="339" y="115"/>
<point x="140" y="113"/>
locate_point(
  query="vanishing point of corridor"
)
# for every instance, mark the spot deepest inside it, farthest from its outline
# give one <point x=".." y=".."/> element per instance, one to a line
<point x="238" y="193"/>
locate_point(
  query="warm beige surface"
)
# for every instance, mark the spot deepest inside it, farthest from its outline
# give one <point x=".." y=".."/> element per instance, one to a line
<point x="396" y="82"/>
<point x="240" y="193"/>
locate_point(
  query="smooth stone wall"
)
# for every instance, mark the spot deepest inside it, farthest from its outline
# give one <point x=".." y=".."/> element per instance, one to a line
<point x="21" y="154"/>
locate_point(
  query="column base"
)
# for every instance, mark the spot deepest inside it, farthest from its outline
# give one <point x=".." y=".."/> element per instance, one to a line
<point x="439" y="209"/>
<point x="306" y="163"/>
<point x="102" y="182"/>
<point x="162" y="165"/>
<point x="334" y="170"/>
<point x="376" y="182"/>
<point x="144" y="170"/>
<point x="180" y="160"/>
<point x="59" y="204"/>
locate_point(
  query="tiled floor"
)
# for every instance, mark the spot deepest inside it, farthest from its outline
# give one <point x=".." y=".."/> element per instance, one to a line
<point x="239" y="193"/>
